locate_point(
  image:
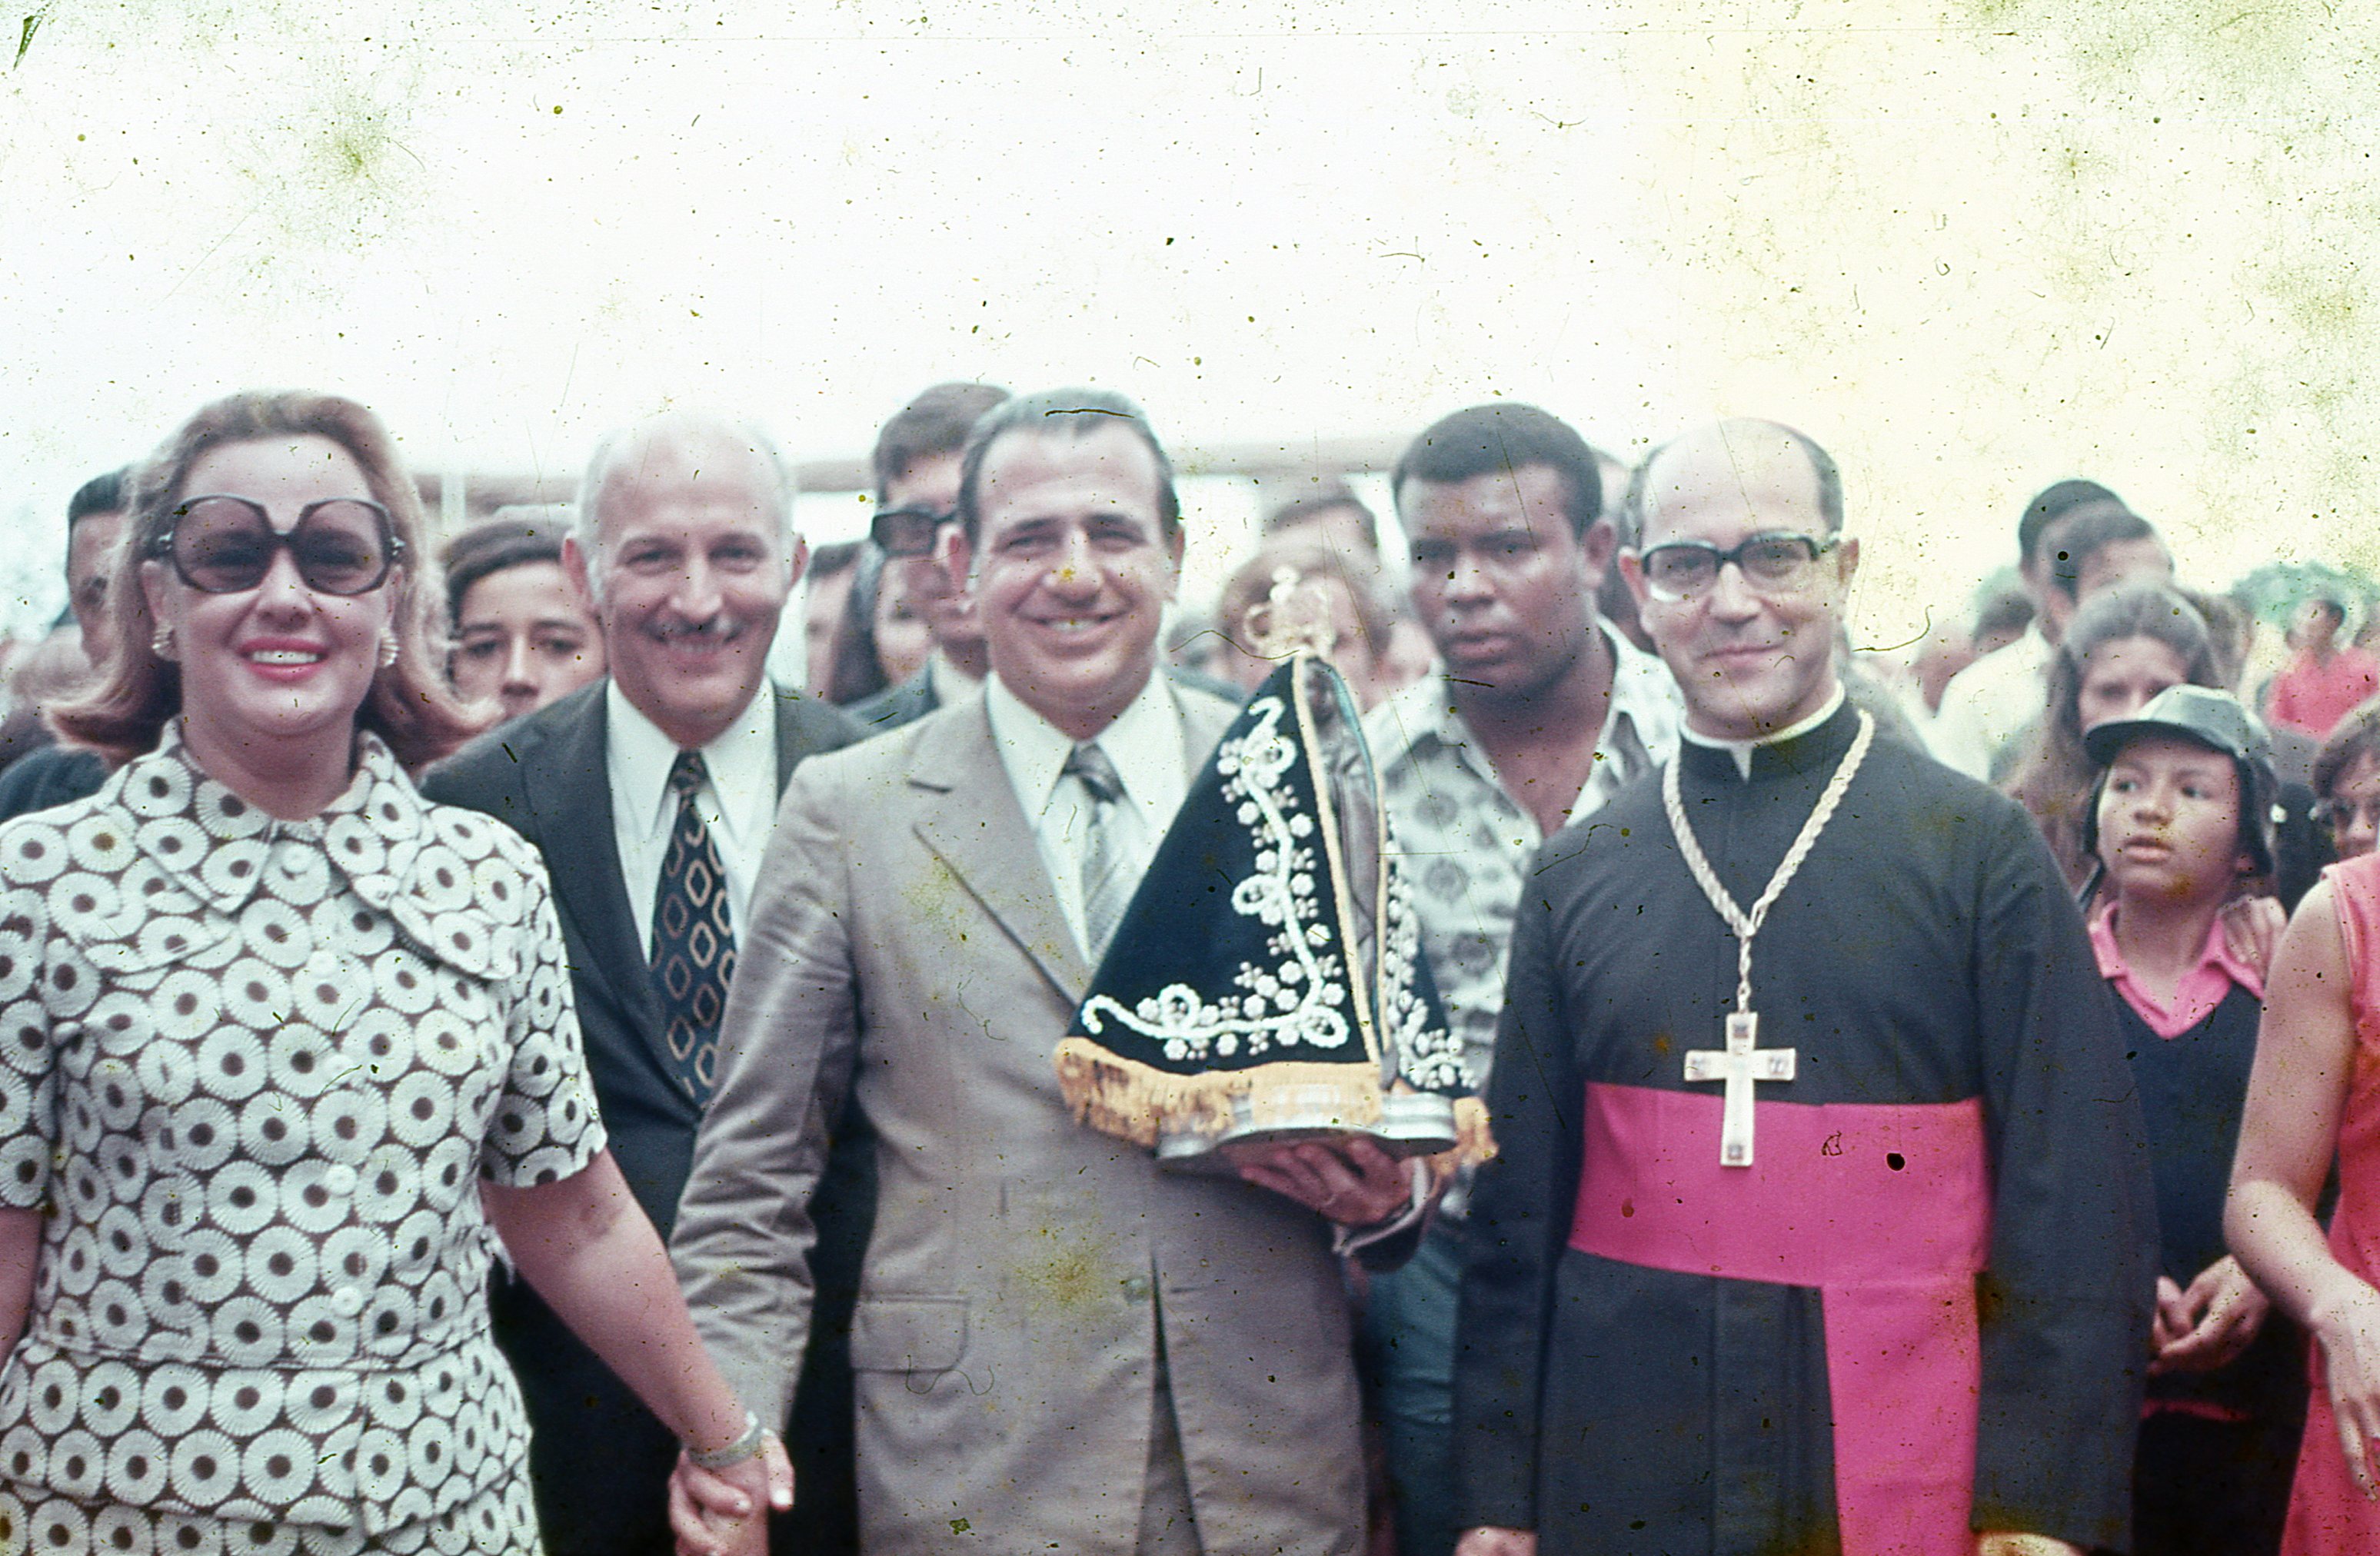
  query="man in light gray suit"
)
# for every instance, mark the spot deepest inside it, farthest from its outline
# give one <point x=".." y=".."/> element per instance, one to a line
<point x="1057" y="1345"/>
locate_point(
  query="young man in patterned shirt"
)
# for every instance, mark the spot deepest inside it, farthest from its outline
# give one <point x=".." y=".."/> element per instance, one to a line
<point x="1539" y="714"/>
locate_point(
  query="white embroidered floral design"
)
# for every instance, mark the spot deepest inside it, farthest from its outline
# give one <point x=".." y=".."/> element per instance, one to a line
<point x="1429" y="1054"/>
<point x="1299" y="998"/>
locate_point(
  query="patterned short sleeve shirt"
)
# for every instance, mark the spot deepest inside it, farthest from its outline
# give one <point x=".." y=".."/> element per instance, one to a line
<point x="256" y="1070"/>
<point x="1467" y="843"/>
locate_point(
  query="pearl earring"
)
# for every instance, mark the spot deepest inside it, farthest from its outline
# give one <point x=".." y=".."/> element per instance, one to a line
<point x="161" y="642"/>
<point x="387" y="649"/>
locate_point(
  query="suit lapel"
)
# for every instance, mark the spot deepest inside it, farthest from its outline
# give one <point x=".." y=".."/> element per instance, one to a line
<point x="972" y="822"/>
<point x="789" y="744"/>
<point x="570" y="791"/>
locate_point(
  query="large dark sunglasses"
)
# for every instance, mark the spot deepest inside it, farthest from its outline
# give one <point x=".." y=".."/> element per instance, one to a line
<point x="223" y="545"/>
<point x="908" y="532"/>
<point x="1778" y="562"/>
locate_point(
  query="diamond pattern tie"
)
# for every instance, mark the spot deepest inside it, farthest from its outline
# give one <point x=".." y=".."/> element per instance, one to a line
<point x="1100" y="851"/>
<point x="694" y="940"/>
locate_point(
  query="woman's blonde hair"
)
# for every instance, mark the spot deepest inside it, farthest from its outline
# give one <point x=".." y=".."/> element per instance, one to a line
<point x="410" y="704"/>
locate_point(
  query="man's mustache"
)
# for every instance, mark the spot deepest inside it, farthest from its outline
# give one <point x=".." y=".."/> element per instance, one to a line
<point x="724" y="628"/>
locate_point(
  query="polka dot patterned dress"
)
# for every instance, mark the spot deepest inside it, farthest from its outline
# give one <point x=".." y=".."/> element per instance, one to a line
<point x="254" y="1071"/>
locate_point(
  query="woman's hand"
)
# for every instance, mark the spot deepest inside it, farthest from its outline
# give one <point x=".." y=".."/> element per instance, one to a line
<point x="721" y="1512"/>
<point x="2222" y="1312"/>
<point x="2252" y="930"/>
<point x="2348" y="1329"/>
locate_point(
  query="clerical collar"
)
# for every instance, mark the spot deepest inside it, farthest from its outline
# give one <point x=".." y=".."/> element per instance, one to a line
<point x="1742" y="750"/>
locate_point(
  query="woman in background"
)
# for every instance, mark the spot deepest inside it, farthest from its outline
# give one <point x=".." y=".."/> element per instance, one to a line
<point x="2123" y="648"/>
<point x="2347" y="782"/>
<point x="1360" y="622"/>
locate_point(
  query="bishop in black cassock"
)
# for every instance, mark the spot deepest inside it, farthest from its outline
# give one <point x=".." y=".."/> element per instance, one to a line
<point x="1954" y="1181"/>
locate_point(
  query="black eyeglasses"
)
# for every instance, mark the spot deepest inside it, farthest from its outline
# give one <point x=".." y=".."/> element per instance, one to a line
<point x="1778" y="562"/>
<point x="223" y="545"/>
<point x="908" y="532"/>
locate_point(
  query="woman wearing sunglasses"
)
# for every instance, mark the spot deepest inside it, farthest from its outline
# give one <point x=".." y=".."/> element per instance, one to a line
<point x="283" y="1045"/>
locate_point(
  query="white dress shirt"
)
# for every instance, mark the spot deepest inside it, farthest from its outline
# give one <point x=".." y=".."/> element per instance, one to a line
<point x="740" y="802"/>
<point x="1146" y="744"/>
<point x="1468" y="844"/>
<point x="1990" y="705"/>
<point x="945" y="683"/>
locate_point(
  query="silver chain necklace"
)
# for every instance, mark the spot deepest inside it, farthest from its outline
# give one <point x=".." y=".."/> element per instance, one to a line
<point x="1742" y="1061"/>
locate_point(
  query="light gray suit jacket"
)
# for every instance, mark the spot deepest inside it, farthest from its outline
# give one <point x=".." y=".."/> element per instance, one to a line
<point x="905" y="941"/>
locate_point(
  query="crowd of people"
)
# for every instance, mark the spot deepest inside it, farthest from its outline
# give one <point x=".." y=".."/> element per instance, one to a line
<point x="483" y="1068"/>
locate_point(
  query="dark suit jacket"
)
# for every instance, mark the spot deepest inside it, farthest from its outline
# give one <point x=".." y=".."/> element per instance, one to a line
<point x="599" y="1460"/>
<point x="896" y="706"/>
<point x="48" y="775"/>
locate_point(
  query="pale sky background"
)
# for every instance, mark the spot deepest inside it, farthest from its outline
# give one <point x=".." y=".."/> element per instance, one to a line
<point x="1972" y="248"/>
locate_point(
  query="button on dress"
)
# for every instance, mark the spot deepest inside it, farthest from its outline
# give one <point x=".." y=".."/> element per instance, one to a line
<point x="255" y="1071"/>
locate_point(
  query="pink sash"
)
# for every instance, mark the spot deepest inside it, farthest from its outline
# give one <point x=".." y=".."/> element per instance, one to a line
<point x="1885" y="1210"/>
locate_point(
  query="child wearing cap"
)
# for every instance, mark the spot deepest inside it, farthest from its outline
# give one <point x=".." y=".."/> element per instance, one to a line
<point x="2176" y="824"/>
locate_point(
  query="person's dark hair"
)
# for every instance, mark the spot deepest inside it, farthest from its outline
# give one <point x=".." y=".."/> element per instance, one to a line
<point x="2332" y="607"/>
<point x="1829" y="475"/>
<point x="2052" y="503"/>
<point x="2353" y="738"/>
<point x="2055" y="779"/>
<point x="100" y="494"/>
<point x="936" y="421"/>
<point x="1330" y="497"/>
<point x="410" y="704"/>
<point x="1062" y="413"/>
<point x="2083" y="533"/>
<point x="855" y="672"/>
<point x="510" y="538"/>
<point x="1483" y="440"/>
<point x="834" y="557"/>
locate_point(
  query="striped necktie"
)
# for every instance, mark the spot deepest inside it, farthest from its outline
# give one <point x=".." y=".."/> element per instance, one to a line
<point x="1100" y="852"/>
<point x="694" y="939"/>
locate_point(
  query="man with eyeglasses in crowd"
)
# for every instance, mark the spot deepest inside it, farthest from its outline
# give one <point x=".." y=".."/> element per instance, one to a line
<point x="1540" y="715"/>
<point x="1821" y="1219"/>
<point x="916" y="468"/>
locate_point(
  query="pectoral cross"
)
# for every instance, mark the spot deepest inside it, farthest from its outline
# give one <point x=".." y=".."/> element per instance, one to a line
<point x="1741" y="1064"/>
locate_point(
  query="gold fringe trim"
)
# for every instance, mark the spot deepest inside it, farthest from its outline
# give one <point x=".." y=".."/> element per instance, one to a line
<point x="1474" y="1141"/>
<point x="1138" y="1102"/>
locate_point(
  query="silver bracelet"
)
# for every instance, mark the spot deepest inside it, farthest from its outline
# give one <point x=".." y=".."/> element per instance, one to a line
<point x="735" y="1452"/>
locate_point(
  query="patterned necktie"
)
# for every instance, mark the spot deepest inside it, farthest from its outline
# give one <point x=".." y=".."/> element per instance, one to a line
<point x="1107" y="884"/>
<point x="694" y="941"/>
